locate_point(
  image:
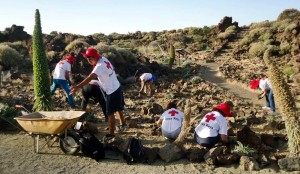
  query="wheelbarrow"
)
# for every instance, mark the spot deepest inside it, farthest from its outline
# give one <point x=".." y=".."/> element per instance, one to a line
<point x="53" y="125"/>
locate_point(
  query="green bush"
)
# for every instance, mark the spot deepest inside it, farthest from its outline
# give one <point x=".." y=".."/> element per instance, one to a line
<point x="127" y="55"/>
<point x="110" y="52"/>
<point x="196" y="79"/>
<point x="78" y="43"/>
<point x="285" y="48"/>
<point x="288" y="70"/>
<point x="289" y="14"/>
<point x="9" y="57"/>
<point x="290" y="27"/>
<point x="244" y="150"/>
<point x="245" y="41"/>
<point x="227" y="33"/>
<point x="8" y="112"/>
<point x="260" y="24"/>
<point x="257" y="49"/>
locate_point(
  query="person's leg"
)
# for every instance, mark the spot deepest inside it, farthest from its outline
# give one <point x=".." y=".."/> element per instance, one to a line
<point x="86" y="96"/>
<point x="271" y="100"/>
<point x="100" y="98"/>
<point x="121" y="118"/>
<point x="111" y="124"/>
<point x="267" y="100"/>
<point x="65" y="85"/>
<point x="54" y="86"/>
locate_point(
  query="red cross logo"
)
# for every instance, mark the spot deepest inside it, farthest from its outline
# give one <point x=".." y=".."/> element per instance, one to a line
<point x="210" y="117"/>
<point x="173" y="113"/>
<point x="107" y="65"/>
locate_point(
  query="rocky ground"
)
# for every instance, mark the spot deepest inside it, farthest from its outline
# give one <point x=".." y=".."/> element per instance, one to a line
<point x="266" y="134"/>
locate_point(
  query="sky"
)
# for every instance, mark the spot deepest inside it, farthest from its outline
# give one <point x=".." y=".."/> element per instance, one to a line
<point x="120" y="16"/>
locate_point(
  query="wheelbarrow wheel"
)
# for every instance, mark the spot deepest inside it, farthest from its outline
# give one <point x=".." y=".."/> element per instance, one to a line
<point x="69" y="144"/>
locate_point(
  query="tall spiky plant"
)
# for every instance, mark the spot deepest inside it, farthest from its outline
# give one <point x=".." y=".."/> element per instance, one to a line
<point x="286" y="103"/>
<point x="172" y="56"/>
<point x="42" y="94"/>
<point x="186" y="122"/>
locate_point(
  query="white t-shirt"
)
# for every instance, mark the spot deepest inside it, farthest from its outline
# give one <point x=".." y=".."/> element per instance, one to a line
<point x="60" y="70"/>
<point x="212" y="124"/>
<point x="146" y="76"/>
<point x="106" y="75"/>
<point x="264" y="84"/>
<point x="172" y="120"/>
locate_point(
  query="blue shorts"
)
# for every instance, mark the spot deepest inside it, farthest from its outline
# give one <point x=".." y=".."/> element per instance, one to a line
<point x="115" y="102"/>
<point x="153" y="78"/>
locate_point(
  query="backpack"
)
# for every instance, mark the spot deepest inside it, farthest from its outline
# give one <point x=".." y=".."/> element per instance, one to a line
<point x="134" y="151"/>
<point x="91" y="146"/>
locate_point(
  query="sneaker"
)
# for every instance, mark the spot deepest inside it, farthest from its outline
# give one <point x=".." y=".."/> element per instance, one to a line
<point x="122" y="128"/>
<point x="266" y="107"/>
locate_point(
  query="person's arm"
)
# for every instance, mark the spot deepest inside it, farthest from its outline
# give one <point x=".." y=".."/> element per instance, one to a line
<point x="224" y="138"/>
<point x="142" y="86"/>
<point x="262" y="94"/>
<point x="159" y="122"/>
<point x="67" y="75"/>
<point x="84" y="82"/>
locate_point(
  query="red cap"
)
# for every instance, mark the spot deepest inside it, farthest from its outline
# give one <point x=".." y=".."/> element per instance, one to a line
<point x="224" y="108"/>
<point x="254" y="83"/>
<point x="91" y="52"/>
<point x="70" y="59"/>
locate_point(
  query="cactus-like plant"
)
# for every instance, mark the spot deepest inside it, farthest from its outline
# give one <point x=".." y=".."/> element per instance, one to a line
<point x="186" y="122"/>
<point x="172" y="56"/>
<point x="43" y="100"/>
<point x="286" y="103"/>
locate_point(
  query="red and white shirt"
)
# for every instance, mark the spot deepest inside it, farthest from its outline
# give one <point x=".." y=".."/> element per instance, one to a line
<point x="211" y="125"/>
<point x="106" y="76"/>
<point x="172" y="120"/>
<point x="265" y="84"/>
<point x="60" y="70"/>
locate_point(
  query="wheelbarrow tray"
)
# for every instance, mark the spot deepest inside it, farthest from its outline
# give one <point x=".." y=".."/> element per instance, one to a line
<point x="49" y="122"/>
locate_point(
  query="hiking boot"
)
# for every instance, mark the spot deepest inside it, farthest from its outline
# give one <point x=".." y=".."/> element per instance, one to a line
<point x="122" y="128"/>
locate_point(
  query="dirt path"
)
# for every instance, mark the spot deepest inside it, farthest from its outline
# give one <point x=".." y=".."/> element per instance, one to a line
<point x="212" y="75"/>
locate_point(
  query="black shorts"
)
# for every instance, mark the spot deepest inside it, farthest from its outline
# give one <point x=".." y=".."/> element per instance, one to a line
<point x="208" y="142"/>
<point x="115" y="101"/>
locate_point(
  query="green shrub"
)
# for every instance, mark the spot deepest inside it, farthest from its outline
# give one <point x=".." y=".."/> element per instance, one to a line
<point x="77" y="43"/>
<point x="127" y="55"/>
<point x="186" y="64"/>
<point x="288" y="70"/>
<point x="244" y="150"/>
<point x="51" y="55"/>
<point x="196" y="79"/>
<point x="260" y="25"/>
<point x="257" y="49"/>
<point x="170" y="96"/>
<point x="285" y="48"/>
<point x="289" y="14"/>
<point x="227" y="33"/>
<point x="91" y="117"/>
<point x="110" y="52"/>
<point x="8" y="112"/>
<point x="245" y="41"/>
<point x="290" y="27"/>
<point x="9" y="57"/>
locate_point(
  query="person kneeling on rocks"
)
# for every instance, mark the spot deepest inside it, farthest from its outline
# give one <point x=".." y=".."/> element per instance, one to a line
<point x="213" y="127"/>
<point x="171" y="121"/>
